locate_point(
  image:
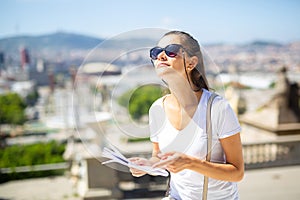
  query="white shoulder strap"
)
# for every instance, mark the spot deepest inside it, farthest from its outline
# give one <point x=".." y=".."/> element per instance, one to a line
<point x="209" y="140"/>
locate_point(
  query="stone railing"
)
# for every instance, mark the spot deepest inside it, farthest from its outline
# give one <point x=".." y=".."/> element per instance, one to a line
<point x="281" y="152"/>
<point x="35" y="168"/>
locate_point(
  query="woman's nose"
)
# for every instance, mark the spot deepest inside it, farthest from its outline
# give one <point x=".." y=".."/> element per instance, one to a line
<point x="162" y="56"/>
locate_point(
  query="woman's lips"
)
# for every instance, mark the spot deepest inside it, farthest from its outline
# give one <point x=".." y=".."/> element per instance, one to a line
<point x="162" y="65"/>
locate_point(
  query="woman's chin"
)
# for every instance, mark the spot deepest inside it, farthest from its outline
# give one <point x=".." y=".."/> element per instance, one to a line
<point x="163" y="71"/>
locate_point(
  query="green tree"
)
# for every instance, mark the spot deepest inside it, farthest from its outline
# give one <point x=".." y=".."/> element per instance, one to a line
<point x="12" y="109"/>
<point x="30" y="155"/>
<point x="138" y="101"/>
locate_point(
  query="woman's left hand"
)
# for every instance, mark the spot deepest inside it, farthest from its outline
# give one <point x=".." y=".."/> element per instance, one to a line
<point x="173" y="161"/>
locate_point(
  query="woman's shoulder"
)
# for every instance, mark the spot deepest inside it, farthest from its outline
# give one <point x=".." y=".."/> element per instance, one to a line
<point x="224" y="120"/>
<point x="217" y="100"/>
<point x="157" y="104"/>
<point x="219" y="103"/>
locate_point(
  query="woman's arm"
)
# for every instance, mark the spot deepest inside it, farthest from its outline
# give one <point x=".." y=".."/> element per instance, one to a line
<point x="154" y="159"/>
<point x="232" y="170"/>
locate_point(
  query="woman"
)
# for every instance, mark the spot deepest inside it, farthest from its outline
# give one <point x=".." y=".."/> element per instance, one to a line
<point x="178" y="126"/>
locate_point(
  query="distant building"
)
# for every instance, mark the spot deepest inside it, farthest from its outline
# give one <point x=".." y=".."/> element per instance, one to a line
<point x="100" y="68"/>
<point x="2" y="61"/>
<point x="25" y="58"/>
<point x="40" y="65"/>
<point x="2" y="66"/>
<point x="23" y="88"/>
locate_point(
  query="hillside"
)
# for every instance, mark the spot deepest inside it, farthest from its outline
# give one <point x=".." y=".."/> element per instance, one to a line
<point x="53" y="42"/>
<point x="66" y="46"/>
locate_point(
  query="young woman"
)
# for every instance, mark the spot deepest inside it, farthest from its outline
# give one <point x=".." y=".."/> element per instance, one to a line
<point x="178" y="126"/>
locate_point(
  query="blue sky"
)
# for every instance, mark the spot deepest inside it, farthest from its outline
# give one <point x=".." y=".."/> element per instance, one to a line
<point x="229" y="21"/>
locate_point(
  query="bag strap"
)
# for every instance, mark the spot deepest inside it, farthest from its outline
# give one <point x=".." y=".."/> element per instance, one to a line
<point x="209" y="140"/>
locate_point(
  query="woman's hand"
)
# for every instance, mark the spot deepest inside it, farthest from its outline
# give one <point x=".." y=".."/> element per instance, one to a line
<point x="232" y="170"/>
<point x="141" y="162"/>
<point x="173" y="161"/>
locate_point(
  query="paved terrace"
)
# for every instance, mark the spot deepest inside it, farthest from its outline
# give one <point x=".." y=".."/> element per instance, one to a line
<point x="273" y="183"/>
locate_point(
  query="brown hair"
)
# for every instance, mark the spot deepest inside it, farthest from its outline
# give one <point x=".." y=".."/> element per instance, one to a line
<point x="192" y="47"/>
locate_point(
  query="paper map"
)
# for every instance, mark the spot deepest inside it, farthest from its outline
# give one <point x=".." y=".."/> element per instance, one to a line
<point x="116" y="157"/>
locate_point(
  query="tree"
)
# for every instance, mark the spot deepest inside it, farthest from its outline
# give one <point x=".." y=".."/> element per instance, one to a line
<point x="138" y="101"/>
<point x="12" y="109"/>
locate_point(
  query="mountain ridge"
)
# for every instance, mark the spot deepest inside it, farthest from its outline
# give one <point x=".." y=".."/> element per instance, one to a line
<point x="50" y="41"/>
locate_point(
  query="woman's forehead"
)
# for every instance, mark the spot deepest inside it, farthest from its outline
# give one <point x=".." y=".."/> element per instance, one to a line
<point x="169" y="39"/>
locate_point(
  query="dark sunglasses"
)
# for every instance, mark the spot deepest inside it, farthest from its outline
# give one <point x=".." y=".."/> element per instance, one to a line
<point x="171" y="51"/>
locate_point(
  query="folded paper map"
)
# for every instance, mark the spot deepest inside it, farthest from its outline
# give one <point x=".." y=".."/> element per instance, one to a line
<point x="116" y="157"/>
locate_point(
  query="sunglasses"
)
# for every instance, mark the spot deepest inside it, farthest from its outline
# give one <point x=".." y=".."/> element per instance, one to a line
<point x="171" y="51"/>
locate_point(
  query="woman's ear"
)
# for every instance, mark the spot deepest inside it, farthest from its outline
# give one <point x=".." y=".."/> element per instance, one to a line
<point x="193" y="61"/>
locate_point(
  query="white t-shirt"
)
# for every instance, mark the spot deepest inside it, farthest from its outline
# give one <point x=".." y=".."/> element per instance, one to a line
<point x="192" y="140"/>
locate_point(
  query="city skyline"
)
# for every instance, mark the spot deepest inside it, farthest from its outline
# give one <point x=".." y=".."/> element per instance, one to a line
<point x="210" y="22"/>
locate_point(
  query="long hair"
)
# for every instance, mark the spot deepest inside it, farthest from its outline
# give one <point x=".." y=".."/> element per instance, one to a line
<point x="192" y="46"/>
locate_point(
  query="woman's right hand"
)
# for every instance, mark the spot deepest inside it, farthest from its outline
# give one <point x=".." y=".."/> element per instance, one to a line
<point x="141" y="162"/>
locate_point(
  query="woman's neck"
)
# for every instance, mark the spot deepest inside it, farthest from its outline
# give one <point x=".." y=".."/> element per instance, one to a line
<point x="185" y="99"/>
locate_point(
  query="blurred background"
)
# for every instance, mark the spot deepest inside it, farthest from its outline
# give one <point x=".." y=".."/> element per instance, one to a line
<point x="75" y="76"/>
